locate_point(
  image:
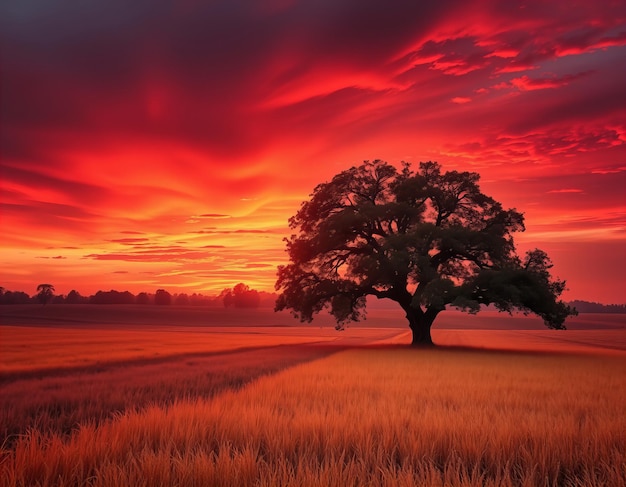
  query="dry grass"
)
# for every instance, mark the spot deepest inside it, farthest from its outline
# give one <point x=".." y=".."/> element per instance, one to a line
<point x="58" y="376"/>
<point x="392" y="417"/>
<point x="58" y="403"/>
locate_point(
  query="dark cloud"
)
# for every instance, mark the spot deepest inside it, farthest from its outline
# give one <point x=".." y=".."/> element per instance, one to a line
<point x="572" y="107"/>
<point x="40" y="177"/>
<point x="182" y="73"/>
<point x="46" y="216"/>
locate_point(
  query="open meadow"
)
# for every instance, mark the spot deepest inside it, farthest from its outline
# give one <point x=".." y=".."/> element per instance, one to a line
<point x="129" y="396"/>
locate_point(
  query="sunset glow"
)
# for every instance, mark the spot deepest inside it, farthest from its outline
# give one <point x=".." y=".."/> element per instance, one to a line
<point x="149" y="145"/>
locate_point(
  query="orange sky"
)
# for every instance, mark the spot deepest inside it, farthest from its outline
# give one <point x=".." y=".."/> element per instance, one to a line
<point x="157" y="144"/>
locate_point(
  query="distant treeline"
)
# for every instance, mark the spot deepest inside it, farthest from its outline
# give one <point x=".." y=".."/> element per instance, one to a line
<point x="240" y="296"/>
<point x="591" y="307"/>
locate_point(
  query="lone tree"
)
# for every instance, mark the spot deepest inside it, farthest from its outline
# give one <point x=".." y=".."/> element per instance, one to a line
<point x="423" y="238"/>
<point x="45" y="293"/>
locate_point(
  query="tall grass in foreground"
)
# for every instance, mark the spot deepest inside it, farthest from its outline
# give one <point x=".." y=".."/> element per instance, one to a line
<point x="364" y="417"/>
<point x="57" y="404"/>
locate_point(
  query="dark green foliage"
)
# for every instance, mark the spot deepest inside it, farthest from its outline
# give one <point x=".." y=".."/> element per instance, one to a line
<point x="424" y="238"/>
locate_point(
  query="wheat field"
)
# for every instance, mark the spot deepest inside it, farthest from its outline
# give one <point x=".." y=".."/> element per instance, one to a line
<point x="375" y="417"/>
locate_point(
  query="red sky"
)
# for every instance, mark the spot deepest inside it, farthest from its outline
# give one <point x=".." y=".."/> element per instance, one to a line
<point x="154" y="144"/>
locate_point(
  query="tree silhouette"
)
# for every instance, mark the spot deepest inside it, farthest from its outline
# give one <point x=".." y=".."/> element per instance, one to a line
<point x="142" y="298"/>
<point x="112" y="297"/>
<point x="241" y="296"/>
<point x="45" y="292"/>
<point x="162" y="298"/>
<point x="244" y="297"/>
<point x="14" y="297"/>
<point x="74" y="297"/>
<point x="424" y="239"/>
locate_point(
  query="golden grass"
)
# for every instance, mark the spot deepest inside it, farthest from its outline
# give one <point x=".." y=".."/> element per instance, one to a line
<point x="58" y="403"/>
<point x="378" y="417"/>
<point x="56" y="377"/>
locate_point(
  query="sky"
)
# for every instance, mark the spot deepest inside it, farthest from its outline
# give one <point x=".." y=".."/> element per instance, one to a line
<point x="154" y="144"/>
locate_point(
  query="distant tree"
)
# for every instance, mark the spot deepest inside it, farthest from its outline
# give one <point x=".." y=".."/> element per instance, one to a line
<point x="200" y="300"/>
<point x="182" y="299"/>
<point x="74" y="297"/>
<point x="14" y="297"/>
<point x="241" y="296"/>
<point x="592" y="307"/>
<point x="112" y="297"/>
<point x="227" y="298"/>
<point x="142" y="298"/>
<point x="45" y="293"/>
<point x="424" y="239"/>
<point x="244" y="297"/>
<point x="162" y="298"/>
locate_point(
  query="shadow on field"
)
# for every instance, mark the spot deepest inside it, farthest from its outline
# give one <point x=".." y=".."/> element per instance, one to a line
<point x="60" y="400"/>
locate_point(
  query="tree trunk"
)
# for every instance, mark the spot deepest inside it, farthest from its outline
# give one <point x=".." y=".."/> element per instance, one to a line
<point x="420" y="323"/>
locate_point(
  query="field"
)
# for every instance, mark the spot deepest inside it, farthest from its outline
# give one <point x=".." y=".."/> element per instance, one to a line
<point x="129" y="396"/>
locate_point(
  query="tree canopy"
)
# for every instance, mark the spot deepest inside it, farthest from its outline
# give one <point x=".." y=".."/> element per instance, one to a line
<point x="423" y="238"/>
<point x="45" y="292"/>
<point x="241" y="296"/>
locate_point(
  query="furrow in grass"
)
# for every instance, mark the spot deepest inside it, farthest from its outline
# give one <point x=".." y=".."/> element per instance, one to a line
<point x="58" y="404"/>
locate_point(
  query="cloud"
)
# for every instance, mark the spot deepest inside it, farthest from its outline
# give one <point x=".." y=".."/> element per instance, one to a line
<point x="525" y="83"/>
<point x="568" y="190"/>
<point x="609" y="171"/>
<point x="212" y="231"/>
<point x="541" y="146"/>
<point x="257" y="266"/>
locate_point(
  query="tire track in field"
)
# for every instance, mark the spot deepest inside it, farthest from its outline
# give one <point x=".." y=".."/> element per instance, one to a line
<point x="101" y="366"/>
<point x="60" y="401"/>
